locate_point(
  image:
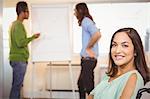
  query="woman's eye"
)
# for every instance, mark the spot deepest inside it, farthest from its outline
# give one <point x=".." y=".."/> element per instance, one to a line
<point x="125" y="46"/>
<point x="113" y="45"/>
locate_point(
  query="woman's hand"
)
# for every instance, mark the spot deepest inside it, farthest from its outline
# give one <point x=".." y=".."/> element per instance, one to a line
<point x="90" y="52"/>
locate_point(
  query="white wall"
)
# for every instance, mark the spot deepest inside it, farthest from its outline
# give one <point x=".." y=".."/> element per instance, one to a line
<point x="70" y="1"/>
<point x="7" y="20"/>
<point x="13" y="2"/>
<point x="1" y="52"/>
<point x="110" y="17"/>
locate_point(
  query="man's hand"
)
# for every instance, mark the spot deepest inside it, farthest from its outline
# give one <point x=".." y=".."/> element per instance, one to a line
<point x="37" y="35"/>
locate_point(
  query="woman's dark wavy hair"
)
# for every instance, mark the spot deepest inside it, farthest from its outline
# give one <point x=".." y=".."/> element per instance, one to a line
<point x="139" y="60"/>
<point x="82" y="11"/>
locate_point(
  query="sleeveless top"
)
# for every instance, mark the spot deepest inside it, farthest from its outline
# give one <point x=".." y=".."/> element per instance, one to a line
<point x="114" y="88"/>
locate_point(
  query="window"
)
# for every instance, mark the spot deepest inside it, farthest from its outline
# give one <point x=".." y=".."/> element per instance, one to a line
<point x="110" y="17"/>
<point x="7" y="20"/>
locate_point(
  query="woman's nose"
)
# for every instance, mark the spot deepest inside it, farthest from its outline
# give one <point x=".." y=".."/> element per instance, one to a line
<point x="118" y="49"/>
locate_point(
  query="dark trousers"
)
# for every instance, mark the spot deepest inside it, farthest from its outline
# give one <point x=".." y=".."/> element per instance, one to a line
<point x="86" y="78"/>
<point x="19" y="69"/>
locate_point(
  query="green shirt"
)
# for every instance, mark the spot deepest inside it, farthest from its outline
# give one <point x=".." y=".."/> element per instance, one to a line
<point x="114" y="89"/>
<point x="19" y="42"/>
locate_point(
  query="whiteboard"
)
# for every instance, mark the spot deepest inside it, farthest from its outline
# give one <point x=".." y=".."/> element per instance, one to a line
<point x="52" y="21"/>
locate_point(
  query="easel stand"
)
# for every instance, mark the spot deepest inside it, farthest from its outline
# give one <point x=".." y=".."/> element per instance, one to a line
<point x="72" y="80"/>
<point x="50" y="73"/>
<point x="32" y="78"/>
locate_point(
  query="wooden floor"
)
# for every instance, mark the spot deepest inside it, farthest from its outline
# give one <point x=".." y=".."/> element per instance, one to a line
<point x="60" y="95"/>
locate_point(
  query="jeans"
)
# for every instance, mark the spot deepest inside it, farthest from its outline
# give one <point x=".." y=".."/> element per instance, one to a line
<point x="86" y="78"/>
<point x="19" y="69"/>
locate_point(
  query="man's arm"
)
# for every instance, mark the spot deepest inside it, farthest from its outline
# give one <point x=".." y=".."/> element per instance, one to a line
<point x="20" y="36"/>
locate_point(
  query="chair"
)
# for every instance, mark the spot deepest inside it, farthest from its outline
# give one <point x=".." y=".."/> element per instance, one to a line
<point x="141" y="91"/>
<point x="144" y="93"/>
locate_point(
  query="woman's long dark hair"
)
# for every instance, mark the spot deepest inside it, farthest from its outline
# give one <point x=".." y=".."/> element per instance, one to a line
<point x="82" y="11"/>
<point x="139" y="60"/>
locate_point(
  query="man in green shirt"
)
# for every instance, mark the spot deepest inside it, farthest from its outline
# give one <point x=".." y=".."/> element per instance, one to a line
<point x="19" y="52"/>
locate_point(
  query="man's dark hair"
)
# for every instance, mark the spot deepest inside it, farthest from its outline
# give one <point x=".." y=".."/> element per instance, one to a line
<point x="21" y="6"/>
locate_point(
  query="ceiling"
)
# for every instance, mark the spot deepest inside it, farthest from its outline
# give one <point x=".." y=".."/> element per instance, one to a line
<point x="13" y="2"/>
<point x="61" y="1"/>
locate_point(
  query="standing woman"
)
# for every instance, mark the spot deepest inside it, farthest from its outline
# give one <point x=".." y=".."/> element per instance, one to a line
<point x="127" y="71"/>
<point x="89" y="52"/>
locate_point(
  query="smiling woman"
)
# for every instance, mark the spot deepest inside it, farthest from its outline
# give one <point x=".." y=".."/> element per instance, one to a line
<point x="127" y="71"/>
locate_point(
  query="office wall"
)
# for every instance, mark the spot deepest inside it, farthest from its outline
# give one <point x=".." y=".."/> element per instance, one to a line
<point x="7" y="70"/>
<point x="1" y="52"/>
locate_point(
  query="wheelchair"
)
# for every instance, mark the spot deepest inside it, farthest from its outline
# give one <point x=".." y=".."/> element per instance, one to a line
<point x="141" y="91"/>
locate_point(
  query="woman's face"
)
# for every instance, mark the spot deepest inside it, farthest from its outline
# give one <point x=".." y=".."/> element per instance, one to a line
<point x="76" y="13"/>
<point x="122" y="51"/>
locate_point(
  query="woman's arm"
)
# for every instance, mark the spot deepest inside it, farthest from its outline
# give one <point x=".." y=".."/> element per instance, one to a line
<point x="129" y="87"/>
<point x="96" y="36"/>
<point x="90" y="97"/>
